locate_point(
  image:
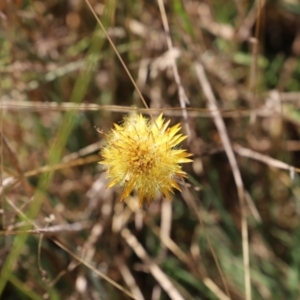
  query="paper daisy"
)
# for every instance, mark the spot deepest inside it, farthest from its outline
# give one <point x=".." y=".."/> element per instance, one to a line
<point x="144" y="156"/>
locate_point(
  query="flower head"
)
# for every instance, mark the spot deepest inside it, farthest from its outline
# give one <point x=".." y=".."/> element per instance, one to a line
<point x="142" y="155"/>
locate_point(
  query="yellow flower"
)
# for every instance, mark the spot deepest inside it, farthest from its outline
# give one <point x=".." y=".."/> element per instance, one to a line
<point x="142" y="155"/>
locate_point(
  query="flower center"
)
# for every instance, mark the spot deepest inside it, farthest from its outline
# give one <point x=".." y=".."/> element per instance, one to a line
<point x="142" y="160"/>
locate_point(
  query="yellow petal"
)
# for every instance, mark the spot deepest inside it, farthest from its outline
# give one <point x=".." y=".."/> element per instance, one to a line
<point x="175" y="185"/>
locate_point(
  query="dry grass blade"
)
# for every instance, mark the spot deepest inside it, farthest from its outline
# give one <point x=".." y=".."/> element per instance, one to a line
<point x="155" y="270"/>
<point x="264" y="111"/>
<point x="182" y="95"/>
<point x="117" y="53"/>
<point x="64" y="165"/>
<point x="271" y="162"/>
<point x="171" y="245"/>
<point x="255" y="51"/>
<point x="11" y="155"/>
<point x="129" y="278"/>
<point x="166" y="226"/>
<point x="212" y="104"/>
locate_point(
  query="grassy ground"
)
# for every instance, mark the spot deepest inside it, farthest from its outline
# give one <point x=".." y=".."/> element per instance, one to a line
<point x="227" y="70"/>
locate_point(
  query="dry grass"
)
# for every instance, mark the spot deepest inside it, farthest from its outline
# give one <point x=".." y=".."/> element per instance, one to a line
<point x="228" y="70"/>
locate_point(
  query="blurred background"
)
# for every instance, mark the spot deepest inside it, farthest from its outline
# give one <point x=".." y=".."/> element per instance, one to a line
<point x="63" y="234"/>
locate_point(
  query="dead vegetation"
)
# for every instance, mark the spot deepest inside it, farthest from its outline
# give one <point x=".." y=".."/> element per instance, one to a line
<point x="228" y="70"/>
